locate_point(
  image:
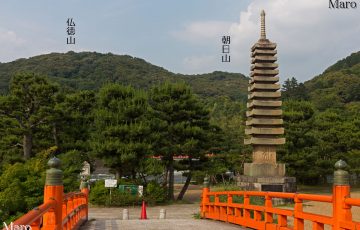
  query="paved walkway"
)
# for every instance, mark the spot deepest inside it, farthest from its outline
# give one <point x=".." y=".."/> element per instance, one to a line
<point x="178" y="217"/>
<point x="174" y="224"/>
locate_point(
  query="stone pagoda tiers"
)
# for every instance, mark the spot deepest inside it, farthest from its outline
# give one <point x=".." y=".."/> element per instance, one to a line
<point x="264" y="125"/>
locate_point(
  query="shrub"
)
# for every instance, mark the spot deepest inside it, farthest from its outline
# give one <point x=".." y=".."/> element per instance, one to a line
<point x="155" y="193"/>
<point x="119" y="198"/>
<point x="99" y="195"/>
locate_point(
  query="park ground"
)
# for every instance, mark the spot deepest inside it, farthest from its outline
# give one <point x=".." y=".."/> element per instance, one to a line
<point x="184" y="215"/>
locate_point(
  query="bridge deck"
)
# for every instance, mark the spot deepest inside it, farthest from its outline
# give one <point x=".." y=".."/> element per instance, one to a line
<point x="179" y="216"/>
<point x="172" y="224"/>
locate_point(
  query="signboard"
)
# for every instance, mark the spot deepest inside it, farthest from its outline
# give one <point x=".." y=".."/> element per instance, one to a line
<point x="110" y="183"/>
<point x="141" y="190"/>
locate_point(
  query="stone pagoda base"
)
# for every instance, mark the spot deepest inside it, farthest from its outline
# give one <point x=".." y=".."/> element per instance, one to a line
<point x="260" y="169"/>
<point x="261" y="183"/>
<point x="273" y="184"/>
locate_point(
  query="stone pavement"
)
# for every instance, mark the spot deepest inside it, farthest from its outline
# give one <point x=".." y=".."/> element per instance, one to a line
<point x="172" y="224"/>
<point x="178" y="217"/>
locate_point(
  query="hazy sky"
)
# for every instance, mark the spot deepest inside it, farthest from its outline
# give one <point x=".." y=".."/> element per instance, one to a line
<point x="184" y="36"/>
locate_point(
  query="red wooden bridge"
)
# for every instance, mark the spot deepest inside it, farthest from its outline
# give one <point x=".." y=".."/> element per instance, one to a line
<point x="69" y="211"/>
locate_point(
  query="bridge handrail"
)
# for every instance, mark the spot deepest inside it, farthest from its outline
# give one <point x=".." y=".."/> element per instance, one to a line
<point x="261" y="216"/>
<point x="74" y="209"/>
<point x="59" y="211"/>
<point x="33" y="217"/>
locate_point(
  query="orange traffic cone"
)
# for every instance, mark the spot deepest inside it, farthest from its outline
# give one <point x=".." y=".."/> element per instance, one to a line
<point x="143" y="215"/>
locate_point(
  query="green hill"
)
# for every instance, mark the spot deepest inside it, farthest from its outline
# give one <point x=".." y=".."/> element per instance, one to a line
<point x="345" y="63"/>
<point x="90" y="70"/>
<point x="338" y="85"/>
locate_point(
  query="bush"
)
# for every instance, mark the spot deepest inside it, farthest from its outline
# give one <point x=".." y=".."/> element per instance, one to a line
<point x="99" y="195"/>
<point x="155" y="193"/>
<point x="123" y="199"/>
<point x="22" y="186"/>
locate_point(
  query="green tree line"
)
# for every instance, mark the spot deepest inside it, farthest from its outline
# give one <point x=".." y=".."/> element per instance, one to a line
<point x="126" y="126"/>
<point x="122" y="125"/>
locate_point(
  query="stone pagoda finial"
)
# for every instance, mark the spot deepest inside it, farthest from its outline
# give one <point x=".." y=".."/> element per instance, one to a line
<point x="263" y="33"/>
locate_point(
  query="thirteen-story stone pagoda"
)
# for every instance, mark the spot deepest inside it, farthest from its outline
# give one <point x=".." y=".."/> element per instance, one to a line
<point x="264" y="125"/>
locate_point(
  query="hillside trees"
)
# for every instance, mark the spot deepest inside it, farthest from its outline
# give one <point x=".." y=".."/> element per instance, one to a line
<point x="229" y="116"/>
<point x="291" y="89"/>
<point x="91" y="70"/>
<point x="297" y="152"/>
<point x="319" y="137"/>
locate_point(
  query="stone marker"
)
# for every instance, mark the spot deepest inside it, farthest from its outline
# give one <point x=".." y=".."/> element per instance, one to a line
<point x="85" y="172"/>
<point x="162" y="214"/>
<point x="264" y="125"/>
<point x="125" y="214"/>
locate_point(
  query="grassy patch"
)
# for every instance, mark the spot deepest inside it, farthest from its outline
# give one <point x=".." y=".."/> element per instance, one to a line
<point x="196" y="215"/>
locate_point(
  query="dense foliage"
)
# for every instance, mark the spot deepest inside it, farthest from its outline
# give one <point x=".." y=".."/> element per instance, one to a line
<point x="182" y="127"/>
<point x="125" y="111"/>
<point x="322" y="122"/>
<point x="122" y="130"/>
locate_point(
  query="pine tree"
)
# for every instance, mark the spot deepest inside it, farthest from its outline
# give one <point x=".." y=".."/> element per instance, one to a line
<point x="29" y="104"/>
<point x="121" y="128"/>
<point x="182" y="126"/>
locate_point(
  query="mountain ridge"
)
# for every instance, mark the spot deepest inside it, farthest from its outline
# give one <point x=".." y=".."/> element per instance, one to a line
<point x="90" y="70"/>
<point x="338" y="84"/>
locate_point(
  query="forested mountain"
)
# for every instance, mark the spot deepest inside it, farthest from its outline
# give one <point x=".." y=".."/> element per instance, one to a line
<point x="338" y="85"/>
<point x="344" y="63"/>
<point x="90" y="70"/>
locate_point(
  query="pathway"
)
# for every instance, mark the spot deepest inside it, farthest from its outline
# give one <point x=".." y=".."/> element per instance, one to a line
<point x="178" y="217"/>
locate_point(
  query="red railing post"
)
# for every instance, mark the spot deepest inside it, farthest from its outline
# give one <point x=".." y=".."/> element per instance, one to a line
<point x="298" y="209"/>
<point x="341" y="190"/>
<point x="268" y="204"/>
<point x="246" y="211"/>
<point x="204" y="198"/>
<point x="70" y="208"/>
<point x="64" y="212"/>
<point x="75" y="206"/>
<point x="217" y="207"/>
<point x="229" y="210"/>
<point x="53" y="191"/>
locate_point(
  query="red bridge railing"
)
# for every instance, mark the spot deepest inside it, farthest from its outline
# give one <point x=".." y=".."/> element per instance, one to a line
<point x="235" y="207"/>
<point x="59" y="211"/>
